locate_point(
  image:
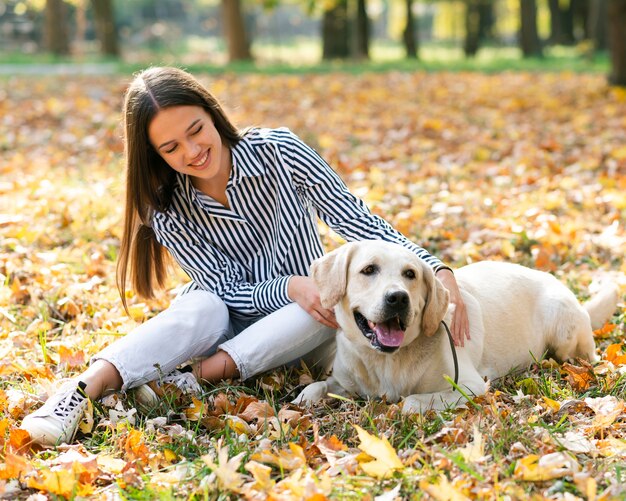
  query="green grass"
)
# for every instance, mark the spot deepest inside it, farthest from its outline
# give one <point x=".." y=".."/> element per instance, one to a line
<point x="304" y="56"/>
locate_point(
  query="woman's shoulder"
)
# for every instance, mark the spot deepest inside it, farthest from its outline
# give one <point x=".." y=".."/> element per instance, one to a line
<point x="262" y="136"/>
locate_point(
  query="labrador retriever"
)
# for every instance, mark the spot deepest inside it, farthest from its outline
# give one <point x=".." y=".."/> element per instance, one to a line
<point x="392" y="343"/>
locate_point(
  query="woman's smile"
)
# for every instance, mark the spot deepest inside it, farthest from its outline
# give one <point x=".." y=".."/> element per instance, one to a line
<point x="202" y="161"/>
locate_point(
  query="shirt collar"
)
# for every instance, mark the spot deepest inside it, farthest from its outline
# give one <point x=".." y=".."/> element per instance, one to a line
<point x="245" y="161"/>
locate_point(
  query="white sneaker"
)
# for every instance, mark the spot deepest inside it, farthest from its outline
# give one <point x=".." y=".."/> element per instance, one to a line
<point x="57" y="420"/>
<point x="148" y="396"/>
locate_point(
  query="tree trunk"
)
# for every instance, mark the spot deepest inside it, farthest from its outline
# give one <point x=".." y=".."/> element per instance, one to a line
<point x="235" y="31"/>
<point x="598" y="24"/>
<point x="362" y="31"/>
<point x="56" y="30"/>
<point x="487" y="19"/>
<point x="617" y="41"/>
<point x="529" y="37"/>
<point x="106" y="30"/>
<point x="409" y="35"/>
<point x="580" y="12"/>
<point x="335" y="39"/>
<point x="556" y="22"/>
<point x="472" y="28"/>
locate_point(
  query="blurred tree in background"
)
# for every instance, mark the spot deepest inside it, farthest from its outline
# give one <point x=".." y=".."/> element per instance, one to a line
<point x="106" y="31"/>
<point x="207" y="30"/>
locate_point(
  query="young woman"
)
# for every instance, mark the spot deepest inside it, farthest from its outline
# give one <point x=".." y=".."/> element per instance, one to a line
<point x="237" y="211"/>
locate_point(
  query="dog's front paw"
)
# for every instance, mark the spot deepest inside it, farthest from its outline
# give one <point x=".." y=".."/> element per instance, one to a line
<point x="419" y="404"/>
<point x="312" y="394"/>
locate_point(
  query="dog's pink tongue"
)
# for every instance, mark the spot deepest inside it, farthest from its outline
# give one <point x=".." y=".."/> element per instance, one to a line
<point x="389" y="333"/>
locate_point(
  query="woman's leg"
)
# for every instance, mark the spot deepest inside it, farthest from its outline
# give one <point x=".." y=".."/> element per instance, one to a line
<point x="286" y="335"/>
<point x="193" y="326"/>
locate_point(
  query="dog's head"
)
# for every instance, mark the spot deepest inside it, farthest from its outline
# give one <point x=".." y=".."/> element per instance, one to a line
<point x="384" y="294"/>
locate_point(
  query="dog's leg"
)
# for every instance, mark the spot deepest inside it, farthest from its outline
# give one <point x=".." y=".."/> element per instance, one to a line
<point x="573" y="337"/>
<point x="312" y="394"/>
<point x="315" y="392"/>
<point x="442" y="400"/>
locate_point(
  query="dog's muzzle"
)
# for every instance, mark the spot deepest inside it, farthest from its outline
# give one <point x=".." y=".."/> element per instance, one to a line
<point x="385" y="336"/>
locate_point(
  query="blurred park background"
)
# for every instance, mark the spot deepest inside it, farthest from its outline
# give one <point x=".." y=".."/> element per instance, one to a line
<point x="579" y="35"/>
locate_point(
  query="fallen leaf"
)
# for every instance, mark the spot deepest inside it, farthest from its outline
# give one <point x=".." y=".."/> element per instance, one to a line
<point x="385" y="461"/>
<point x="534" y="468"/>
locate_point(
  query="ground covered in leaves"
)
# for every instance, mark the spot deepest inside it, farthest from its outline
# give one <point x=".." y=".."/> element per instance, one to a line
<point x="528" y="168"/>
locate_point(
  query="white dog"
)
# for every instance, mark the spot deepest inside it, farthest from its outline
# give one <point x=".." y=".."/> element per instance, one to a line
<point x="391" y="341"/>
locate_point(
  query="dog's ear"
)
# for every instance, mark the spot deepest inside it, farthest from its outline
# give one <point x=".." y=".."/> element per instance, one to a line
<point x="330" y="273"/>
<point x="436" y="303"/>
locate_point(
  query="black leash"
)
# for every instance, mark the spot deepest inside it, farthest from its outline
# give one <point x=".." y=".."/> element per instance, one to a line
<point x="453" y="348"/>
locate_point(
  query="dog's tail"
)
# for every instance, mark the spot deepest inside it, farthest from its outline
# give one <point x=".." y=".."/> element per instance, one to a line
<point x="603" y="303"/>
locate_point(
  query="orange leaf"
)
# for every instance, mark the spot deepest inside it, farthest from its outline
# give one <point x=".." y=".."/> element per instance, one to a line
<point x="19" y="440"/>
<point x="613" y="354"/>
<point x="580" y="378"/>
<point x="605" y="330"/>
<point x="71" y="358"/>
<point x="14" y="466"/>
<point x="135" y="446"/>
<point x="257" y="411"/>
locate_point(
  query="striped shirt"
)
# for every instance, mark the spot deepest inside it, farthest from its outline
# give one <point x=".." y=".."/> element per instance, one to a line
<point x="247" y="253"/>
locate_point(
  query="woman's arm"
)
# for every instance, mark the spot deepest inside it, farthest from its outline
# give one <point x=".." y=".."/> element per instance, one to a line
<point x="350" y="217"/>
<point x="213" y="271"/>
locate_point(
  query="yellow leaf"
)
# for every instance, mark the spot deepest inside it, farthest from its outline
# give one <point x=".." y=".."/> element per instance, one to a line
<point x="444" y="490"/>
<point x="587" y="485"/>
<point x="137" y="311"/>
<point x="226" y="469"/>
<point x="170" y="455"/>
<point x="110" y="464"/>
<point x="475" y="450"/>
<point x="386" y="461"/>
<point x="262" y="476"/>
<point x="292" y="459"/>
<point x="619" y="153"/>
<point x="61" y="482"/>
<point x="534" y="468"/>
<point x="196" y="410"/>
<point x="87" y="422"/>
<point x="550" y="404"/>
<point x="507" y="248"/>
<point x="238" y="425"/>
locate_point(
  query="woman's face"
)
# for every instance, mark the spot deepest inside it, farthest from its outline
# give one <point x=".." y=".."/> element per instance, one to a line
<point x="187" y="140"/>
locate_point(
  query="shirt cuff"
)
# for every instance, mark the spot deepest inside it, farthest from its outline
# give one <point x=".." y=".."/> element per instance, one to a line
<point x="271" y="295"/>
<point x="443" y="267"/>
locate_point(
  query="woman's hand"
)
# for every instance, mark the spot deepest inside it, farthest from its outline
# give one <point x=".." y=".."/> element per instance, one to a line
<point x="303" y="291"/>
<point x="460" y="328"/>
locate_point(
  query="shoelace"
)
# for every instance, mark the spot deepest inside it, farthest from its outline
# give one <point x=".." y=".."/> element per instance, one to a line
<point x="185" y="381"/>
<point x="72" y="401"/>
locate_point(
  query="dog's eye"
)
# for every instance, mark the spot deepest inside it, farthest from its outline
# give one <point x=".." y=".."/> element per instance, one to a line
<point x="410" y="274"/>
<point x="370" y="269"/>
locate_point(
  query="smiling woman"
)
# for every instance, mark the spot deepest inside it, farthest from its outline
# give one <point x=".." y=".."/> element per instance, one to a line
<point x="237" y="211"/>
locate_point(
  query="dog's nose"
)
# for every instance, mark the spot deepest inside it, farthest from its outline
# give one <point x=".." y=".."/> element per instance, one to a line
<point x="397" y="299"/>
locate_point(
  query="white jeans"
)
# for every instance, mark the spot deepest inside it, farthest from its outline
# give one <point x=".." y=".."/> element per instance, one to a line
<point x="198" y="323"/>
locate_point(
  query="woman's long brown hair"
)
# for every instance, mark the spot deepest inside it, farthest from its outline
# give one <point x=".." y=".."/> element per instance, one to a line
<point x="150" y="181"/>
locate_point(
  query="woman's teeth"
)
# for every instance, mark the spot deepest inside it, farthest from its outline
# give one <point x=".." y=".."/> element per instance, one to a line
<point x="201" y="161"/>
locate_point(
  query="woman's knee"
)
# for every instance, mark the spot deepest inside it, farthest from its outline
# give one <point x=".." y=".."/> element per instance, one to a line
<point x="202" y="308"/>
